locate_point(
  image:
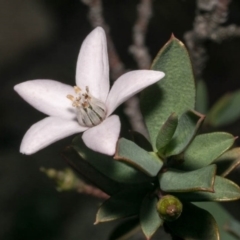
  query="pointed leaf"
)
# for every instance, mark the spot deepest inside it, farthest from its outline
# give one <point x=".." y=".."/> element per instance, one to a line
<point x="188" y="125"/>
<point x="131" y="153"/>
<point x="205" y="148"/>
<point x="115" y="170"/>
<point x="166" y="132"/>
<point x="175" y="93"/>
<point x="149" y="217"/>
<point x="225" y="111"/>
<point x="90" y="173"/>
<point x="195" y="224"/>
<point x="221" y="216"/>
<point x="224" y="190"/>
<point x="125" y="229"/>
<point x="228" y="161"/>
<point x="201" y="97"/>
<point x="123" y="204"/>
<point x="198" y="180"/>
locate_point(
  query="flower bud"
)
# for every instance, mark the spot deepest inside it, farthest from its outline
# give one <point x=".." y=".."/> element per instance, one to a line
<point x="169" y="208"/>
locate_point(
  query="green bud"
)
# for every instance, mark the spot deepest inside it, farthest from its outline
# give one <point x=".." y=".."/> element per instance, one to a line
<point x="169" y="208"/>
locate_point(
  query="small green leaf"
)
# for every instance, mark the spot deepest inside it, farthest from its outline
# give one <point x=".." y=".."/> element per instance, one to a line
<point x="166" y="132"/>
<point x="225" y="111"/>
<point x="195" y="224"/>
<point x="205" y="148"/>
<point x="123" y="204"/>
<point x="115" y="170"/>
<point x="125" y="229"/>
<point x="233" y="227"/>
<point x="228" y="161"/>
<point x="198" y="180"/>
<point x="149" y="217"/>
<point x="221" y="216"/>
<point x="188" y="125"/>
<point x="90" y="173"/>
<point x="175" y="93"/>
<point x="201" y="97"/>
<point x="131" y="153"/>
<point x="224" y="190"/>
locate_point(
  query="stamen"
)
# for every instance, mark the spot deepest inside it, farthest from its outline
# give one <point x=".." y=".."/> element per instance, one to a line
<point x="90" y="111"/>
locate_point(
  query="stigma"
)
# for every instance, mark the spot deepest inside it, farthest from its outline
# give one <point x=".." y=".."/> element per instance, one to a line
<point x="90" y="111"/>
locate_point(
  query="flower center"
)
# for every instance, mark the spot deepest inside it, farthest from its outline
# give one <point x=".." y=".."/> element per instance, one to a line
<point x="90" y="111"/>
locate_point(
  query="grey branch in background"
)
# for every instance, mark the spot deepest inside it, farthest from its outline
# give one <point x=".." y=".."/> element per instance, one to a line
<point x="138" y="49"/>
<point x="210" y="14"/>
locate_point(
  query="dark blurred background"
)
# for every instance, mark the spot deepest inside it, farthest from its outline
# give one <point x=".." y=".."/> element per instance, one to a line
<point x="41" y="39"/>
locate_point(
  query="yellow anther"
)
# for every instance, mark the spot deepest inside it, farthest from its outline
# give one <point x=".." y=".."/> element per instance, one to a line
<point x="77" y="89"/>
<point x="71" y="97"/>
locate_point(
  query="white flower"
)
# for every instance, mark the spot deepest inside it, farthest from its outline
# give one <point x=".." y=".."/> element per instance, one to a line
<point x="86" y="107"/>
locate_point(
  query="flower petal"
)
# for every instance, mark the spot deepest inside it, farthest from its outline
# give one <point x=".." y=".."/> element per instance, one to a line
<point x="103" y="137"/>
<point x="46" y="132"/>
<point x="130" y="84"/>
<point x="92" y="65"/>
<point x="48" y="96"/>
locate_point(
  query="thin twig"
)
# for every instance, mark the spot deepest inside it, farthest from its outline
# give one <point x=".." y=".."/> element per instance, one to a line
<point x="143" y="59"/>
<point x="210" y="14"/>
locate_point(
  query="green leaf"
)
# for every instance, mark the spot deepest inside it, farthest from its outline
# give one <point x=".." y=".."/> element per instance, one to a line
<point x="224" y="190"/>
<point x="131" y="153"/>
<point x="205" y="148"/>
<point x="90" y="173"/>
<point x="225" y="111"/>
<point x="149" y="217"/>
<point x="166" y="132"/>
<point x="175" y="93"/>
<point x="201" y="97"/>
<point x="233" y="227"/>
<point x="115" y="170"/>
<point x="198" y="180"/>
<point x="125" y="229"/>
<point x="195" y="224"/>
<point x="221" y="216"/>
<point x="228" y="161"/>
<point x="123" y="204"/>
<point x="188" y="125"/>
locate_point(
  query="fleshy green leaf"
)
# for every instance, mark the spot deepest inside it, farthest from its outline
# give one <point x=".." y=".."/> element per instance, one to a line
<point x="90" y="173"/>
<point x="166" y="132"/>
<point x="131" y="153"/>
<point x="198" y="180"/>
<point x="224" y="190"/>
<point x="195" y="224"/>
<point x="149" y="217"/>
<point x="188" y="125"/>
<point x="221" y="216"/>
<point x="175" y="93"/>
<point x="201" y="97"/>
<point x="228" y="161"/>
<point x="233" y="227"/>
<point x="125" y="229"/>
<point x="205" y="148"/>
<point x="116" y="170"/>
<point x="123" y="204"/>
<point x="225" y="111"/>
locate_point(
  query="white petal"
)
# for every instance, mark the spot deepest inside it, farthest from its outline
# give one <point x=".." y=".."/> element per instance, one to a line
<point x="103" y="137"/>
<point x="130" y="84"/>
<point x="48" y="96"/>
<point x="46" y="132"/>
<point x="92" y="65"/>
